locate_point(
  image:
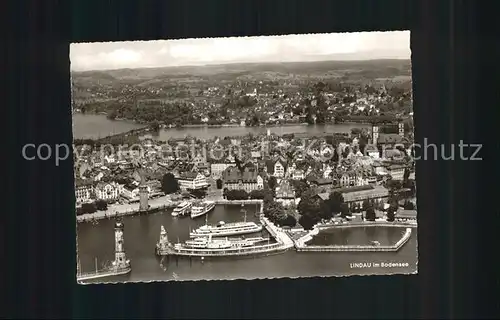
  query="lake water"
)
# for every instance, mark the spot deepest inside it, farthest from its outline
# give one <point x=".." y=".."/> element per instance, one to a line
<point x="142" y="232"/>
<point x="94" y="126"/>
<point x="90" y="126"/>
<point x="363" y="236"/>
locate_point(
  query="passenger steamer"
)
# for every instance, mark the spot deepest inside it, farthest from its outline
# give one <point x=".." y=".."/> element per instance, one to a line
<point x="223" y="229"/>
<point x="202" y="208"/>
<point x="221" y="243"/>
<point x="182" y="209"/>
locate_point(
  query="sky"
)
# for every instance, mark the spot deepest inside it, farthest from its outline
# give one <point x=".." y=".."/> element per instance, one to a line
<point x="204" y="51"/>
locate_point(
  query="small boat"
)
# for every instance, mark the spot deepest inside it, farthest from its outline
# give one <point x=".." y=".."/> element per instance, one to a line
<point x="182" y="209"/>
<point x="202" y="208"/>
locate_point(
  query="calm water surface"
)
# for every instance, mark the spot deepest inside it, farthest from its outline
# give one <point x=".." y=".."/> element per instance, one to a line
<point x="94" y="126"/>
<point x="88" y="126"/>
<point x="387" y="236"/>
<point x="142" y="233"/>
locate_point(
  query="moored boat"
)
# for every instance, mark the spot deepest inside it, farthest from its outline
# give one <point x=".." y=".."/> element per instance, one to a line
<point x="182" y="209"/>
<point x="202" y="208"/>
<point x="225" y="229"/>
<point x="214" y="243"/>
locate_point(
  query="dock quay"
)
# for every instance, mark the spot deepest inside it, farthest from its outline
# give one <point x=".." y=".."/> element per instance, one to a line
<point x="102" y="273"/>
<point x="119" y="213"/>
<point x="243" y="202"/>
<point x="357" y="224"/>
<point x="282" y="244"/>
<point x="154" y="206"/>
<point x="301" y="246"/>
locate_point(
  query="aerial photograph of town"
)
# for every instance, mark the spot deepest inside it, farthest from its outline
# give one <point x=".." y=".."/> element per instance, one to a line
<point x="244" y="158"/>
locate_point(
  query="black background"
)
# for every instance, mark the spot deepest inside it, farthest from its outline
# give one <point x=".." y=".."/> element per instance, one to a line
<point x="452" y="101"/>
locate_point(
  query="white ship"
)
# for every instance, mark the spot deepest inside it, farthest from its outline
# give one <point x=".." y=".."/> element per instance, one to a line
<point x="182" y="209"/>
<point x="202" y="208"/>
<point x="224" y="243"/>
<point x="226" y="229"/>
<point x="223" y="229"/>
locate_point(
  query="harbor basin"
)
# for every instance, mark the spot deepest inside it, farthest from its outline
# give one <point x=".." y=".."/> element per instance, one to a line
<point x="358" y="236"/>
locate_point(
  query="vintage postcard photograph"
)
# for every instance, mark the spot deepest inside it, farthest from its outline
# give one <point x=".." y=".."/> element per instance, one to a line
<point x="244" y="158"/>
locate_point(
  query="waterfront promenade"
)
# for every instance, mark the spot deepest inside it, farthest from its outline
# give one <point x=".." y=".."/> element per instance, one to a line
<point x="120" y="210"/>
<point x="162" y="203"/>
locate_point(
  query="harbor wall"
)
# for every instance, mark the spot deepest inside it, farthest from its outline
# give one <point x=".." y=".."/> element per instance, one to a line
<point x="302" y="247"/>
<point x="358" y="224"/>
<point x="267" y="248"/>
<point x="116" y="214"/>
<point x="154" y="208"/>
<point x="102" y="274"/>
<point x="236" y="202"/>
<point x="277" y="233"/>
<point x="267" y="224"/>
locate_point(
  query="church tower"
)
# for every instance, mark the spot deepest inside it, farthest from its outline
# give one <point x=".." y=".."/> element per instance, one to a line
<point x="374" y="135"/>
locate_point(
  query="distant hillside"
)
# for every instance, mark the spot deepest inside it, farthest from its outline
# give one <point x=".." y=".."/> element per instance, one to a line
<point x="348" y="71"/>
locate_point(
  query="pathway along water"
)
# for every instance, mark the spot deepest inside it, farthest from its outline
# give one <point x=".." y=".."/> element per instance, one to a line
<point x="94" y="126"/>
<point x="142" y="233"/>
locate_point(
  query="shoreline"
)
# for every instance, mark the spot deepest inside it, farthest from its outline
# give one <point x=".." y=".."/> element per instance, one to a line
<point x="155" y="205"/>
<point x="226" y="125"/>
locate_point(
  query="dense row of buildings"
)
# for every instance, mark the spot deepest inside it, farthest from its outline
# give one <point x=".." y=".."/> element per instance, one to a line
<point x="359" y="176"/>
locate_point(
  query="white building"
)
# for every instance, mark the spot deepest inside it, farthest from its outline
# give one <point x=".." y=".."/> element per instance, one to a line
<point x="83" y="193"/>
<point x="108" y="191"/>
<point x="279" y="169"/>
<point x="132" y="191"/>
<point x="352" y="179"/>
<point x="327" y="170"/>
<point x="396" y="171"/>
<point x="216" y="169"/>
<point x="247" y="180"/>
<point x="192" y="180"/>
<point x="298" y="174"/>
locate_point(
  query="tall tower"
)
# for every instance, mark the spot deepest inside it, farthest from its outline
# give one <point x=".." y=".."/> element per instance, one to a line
<point x="401" y="127"/>
<point x="144" y="197"/>
<point x="121" y="261"/>
<point x="374" y="135"/>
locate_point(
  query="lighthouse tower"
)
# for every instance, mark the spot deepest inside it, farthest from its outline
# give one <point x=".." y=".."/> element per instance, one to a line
<point x="163" y="243"/>
<point x="143" y="197"/>
<point x="121" y="261"/>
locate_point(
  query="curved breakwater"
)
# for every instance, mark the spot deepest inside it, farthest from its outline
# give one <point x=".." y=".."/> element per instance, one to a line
<point x="301" y="245"/>
<point x="366" y="224"/>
